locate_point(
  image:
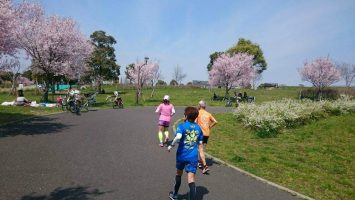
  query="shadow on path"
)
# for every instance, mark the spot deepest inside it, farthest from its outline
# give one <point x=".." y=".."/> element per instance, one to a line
<point x="69" y="193"/>
<point x="33" y="126"/>
<point x="200" y="192"/>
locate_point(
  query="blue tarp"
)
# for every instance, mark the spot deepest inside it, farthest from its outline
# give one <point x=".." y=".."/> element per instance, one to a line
<point x="61" y="87"/>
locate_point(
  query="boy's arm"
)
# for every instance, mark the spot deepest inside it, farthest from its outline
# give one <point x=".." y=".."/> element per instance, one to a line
<point x="177" y="137"/>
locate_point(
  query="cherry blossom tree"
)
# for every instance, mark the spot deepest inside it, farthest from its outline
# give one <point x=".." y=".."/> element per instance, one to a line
<point x="321" y="72"/>
<point x="7" y="26"/>
<point x="142" y="73"/>
<point x="55" y="44"/>
<point x="232" y="70"/>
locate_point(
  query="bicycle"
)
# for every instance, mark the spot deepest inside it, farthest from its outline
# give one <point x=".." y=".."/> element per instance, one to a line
<point x="114" y="100"/>
<point x="89" y="101"/>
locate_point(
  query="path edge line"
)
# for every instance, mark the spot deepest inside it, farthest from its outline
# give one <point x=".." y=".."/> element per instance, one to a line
<point x="302" y="196"/>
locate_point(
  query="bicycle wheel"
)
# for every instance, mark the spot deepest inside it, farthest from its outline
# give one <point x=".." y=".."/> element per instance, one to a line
<point x="85" y="107"/>
<point x="64" y="107"/>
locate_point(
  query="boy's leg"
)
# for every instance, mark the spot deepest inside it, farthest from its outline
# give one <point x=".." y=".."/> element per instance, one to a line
<point x="180" y="166"/>
<point x="191" y="168"/>
<point x="177" y="181"/>
<point x="191" y="181"/>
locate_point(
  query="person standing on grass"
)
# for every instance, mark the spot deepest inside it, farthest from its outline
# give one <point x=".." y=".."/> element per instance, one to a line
<point x="206" y="122"/>
<point x="190" y="135"/>
<point x="165" y="111"/>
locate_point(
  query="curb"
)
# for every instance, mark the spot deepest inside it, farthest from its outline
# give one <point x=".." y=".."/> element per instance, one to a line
<point x="294" y="193"/>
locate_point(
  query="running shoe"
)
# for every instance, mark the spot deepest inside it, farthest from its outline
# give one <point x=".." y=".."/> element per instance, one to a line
<point x="200" y="165"/>
<point x="166" y="141"/>
<point x="161" y="144"/>
<point x="205" y="170"/>
<point x="172" y="196"/>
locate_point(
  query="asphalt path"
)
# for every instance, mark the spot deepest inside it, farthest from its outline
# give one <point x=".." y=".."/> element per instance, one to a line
<point x="107" y="154"/>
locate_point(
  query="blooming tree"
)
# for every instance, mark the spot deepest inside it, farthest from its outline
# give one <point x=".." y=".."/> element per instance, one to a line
<point x="232" y="70"/>
<point x="55" y="44"/>
<point x="7" y="26"/>
<point x="142" y="73"/>
<point x="146" y="72"/>
<point x="321" y="72"/>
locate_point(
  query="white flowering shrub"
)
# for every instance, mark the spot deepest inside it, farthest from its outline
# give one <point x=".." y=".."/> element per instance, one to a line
<point x="268" y="118"/>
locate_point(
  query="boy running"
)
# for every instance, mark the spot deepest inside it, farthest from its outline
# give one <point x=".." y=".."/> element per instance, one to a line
<point x="165" y="110"/>
<point x="190" y="135"/>
<point x="206" y="122"/>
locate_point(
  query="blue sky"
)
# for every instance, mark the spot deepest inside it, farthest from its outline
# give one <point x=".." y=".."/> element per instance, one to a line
<point x="186" y="32"/>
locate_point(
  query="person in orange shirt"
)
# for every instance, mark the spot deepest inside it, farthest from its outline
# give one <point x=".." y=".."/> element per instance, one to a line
<point x="206" y="122"/>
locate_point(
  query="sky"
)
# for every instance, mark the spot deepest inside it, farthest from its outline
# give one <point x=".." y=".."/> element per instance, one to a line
<point x="186" y="32"/>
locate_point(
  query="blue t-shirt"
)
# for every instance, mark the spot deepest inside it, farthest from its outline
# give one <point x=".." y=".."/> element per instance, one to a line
<point x="188" y="146"/>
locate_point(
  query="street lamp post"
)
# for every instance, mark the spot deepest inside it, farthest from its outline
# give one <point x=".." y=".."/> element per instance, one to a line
<point x="139" y="79"/>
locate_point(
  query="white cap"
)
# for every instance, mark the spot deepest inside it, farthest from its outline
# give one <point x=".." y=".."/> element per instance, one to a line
<point x="166" y="97"/>
<point x="202" y="103"/>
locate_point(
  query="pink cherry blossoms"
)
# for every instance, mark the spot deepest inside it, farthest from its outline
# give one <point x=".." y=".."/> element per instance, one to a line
<point x="7" y="25"/>
<point x="146" y="72"/>
<point x="322" y="72"/>
<point x="232" y="70"/>
<point x="54" y="43"/>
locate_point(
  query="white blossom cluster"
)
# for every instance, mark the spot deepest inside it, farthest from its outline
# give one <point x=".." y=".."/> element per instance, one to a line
<point x="286" y="113"/>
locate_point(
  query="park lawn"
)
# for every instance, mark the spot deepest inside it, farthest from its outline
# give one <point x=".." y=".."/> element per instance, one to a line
<point x="14" y="113"/>
<point x="316" y="159"/>
<point x="180" y="96"/>
<point x="190" y="96"/>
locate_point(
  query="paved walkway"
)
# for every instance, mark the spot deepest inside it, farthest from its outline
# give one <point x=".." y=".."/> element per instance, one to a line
<point x="106" y="154"/>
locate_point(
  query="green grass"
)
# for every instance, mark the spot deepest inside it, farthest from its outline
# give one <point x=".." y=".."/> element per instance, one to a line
<point x="180" y="96"/>
<point x="190" y="96"/>
<point x="316" y="159"/>
<point x="14" y="113"/>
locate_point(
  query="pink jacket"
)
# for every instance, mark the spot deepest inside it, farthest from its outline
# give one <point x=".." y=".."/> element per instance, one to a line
<point x="165" y="111"/>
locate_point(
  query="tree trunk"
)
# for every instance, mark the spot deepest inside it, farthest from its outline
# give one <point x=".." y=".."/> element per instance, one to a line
<point x="153" y="92"/>
<point x="13" y="86"/>
<point x="45" y="94"/>
<point x="99" y="87"/>
<point x="46" y="89"/>
<point x="227" y="91"/>
<point x="53" y="88"/>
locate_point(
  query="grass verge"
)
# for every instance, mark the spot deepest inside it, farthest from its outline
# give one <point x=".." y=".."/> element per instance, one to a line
<point x="316" y="159"/>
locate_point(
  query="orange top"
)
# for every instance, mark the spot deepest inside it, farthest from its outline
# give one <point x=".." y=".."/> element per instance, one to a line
<point x="205" y="119"/>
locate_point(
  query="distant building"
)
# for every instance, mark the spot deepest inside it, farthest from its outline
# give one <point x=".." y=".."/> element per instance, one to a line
<point x="203" y="84"/>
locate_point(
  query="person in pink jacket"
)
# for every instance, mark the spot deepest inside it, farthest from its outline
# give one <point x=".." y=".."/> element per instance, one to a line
<point x="165" y="111"/>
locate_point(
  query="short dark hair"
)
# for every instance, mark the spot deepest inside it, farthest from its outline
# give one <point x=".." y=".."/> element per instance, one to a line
<point x="191" y="113"/>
